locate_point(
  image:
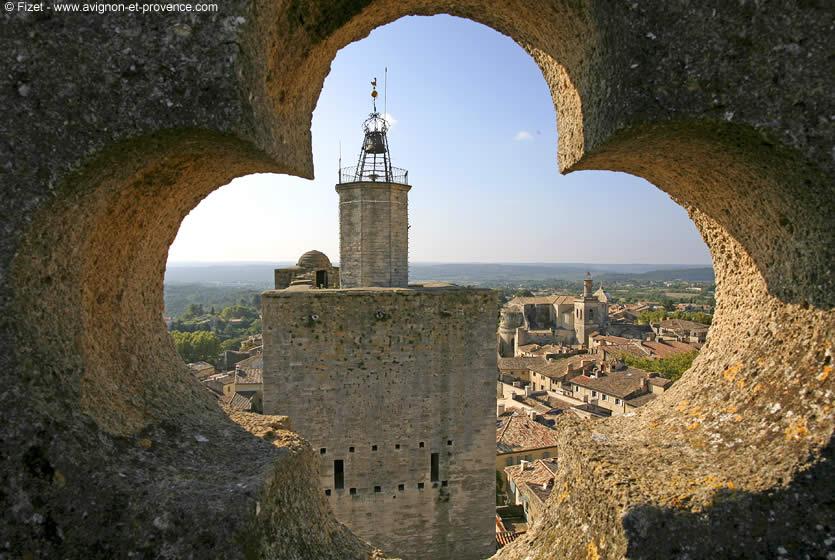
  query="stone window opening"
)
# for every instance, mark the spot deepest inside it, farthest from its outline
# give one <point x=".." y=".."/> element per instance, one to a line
<point x="711" y="220"/>
<point x="338" y="474"/>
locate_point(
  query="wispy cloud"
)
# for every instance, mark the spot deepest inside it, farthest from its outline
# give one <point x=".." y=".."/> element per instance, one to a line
<point x="390" y="119"/>
<point x="522" y="136"/>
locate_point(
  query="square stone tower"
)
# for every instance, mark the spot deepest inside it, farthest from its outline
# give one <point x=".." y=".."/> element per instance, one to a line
<point x="392" y="384"/>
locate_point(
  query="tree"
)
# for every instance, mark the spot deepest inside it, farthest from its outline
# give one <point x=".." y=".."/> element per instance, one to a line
<point x="238" y="311"/>
<point x="193" y="310"/>
<point x="196" y="346"/>
<point x="672" y="368"/>
<point x="230" y="344"/>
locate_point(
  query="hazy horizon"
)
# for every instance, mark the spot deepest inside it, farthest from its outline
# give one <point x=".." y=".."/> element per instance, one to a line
<point x="514" y="263"/>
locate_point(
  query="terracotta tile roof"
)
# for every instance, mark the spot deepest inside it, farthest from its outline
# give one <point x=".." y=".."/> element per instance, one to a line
<point x="558" y="369"/>
<point x="236" y="401"/>
<point x="517" y="432"/>
<point x="641" y="400"/>
<point x="250" y="370"/>
<point x="538" y="491"/>
<point x="632" y="349"/>
<point x="538" y="472"/>
<point x="621" y="383"/>
<point x="542" y="300"/>
<point x="200" y="366"/>
<point x="668" y="348"/>
<point x="504" y="538"/>
<point x="682" y="325"/>
<point x="659" y="382"/>
<point x="519" y="363"/>
<point x="609" y="340"/>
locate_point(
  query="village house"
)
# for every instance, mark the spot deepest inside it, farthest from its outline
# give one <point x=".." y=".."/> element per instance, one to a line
<point x="246" y="381"/>
<point x="202" y="370"/>
<point x="529" y="484"/>
<point x="616" y="391"/>
<point x="517" y="368"/>
<point x="681" y="330"/>
<point x="609" y="347"/>
<point x="520" y="437"/>
<point x="548" y="375"/>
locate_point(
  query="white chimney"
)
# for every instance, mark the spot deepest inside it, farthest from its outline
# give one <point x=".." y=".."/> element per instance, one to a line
<point x="499" y="409"/>
<point x="532" y="414"/>
<point x="527" y="390"/>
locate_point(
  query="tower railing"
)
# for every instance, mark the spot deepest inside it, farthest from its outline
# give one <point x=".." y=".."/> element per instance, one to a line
<point x="354" y="174"/>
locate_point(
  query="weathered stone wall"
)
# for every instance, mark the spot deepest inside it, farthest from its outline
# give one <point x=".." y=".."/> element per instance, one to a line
<point x="116" y="126"/>
<point x="380" y="379"/>
<point x="373" y="234"/>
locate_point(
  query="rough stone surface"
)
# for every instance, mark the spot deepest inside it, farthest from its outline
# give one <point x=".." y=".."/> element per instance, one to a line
<point x="114" y="127"/>
<point x="381" y="379"/>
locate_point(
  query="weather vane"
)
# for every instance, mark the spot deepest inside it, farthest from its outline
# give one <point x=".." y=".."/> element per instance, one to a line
<point x="374" y="93"/>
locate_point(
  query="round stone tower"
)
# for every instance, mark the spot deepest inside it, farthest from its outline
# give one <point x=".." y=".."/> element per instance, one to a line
<point x="512" y="317"/>
<point x="373" y="213"/>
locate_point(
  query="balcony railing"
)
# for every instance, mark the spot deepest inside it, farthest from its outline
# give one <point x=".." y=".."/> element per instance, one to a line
<point x="355" y="175"/>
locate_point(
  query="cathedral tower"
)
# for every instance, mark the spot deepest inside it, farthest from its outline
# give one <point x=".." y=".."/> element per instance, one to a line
<point x="587" y="313"/>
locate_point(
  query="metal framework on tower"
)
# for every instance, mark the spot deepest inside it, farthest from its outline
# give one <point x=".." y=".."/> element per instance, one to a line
<point x="374" y="163"/>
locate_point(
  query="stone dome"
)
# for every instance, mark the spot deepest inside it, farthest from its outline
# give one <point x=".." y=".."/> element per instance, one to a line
<point x="314" y="260"/>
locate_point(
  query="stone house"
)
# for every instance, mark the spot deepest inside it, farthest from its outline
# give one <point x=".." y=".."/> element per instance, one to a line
<point x="202" y="370"/>
<point x="548" y="375"/>
<point x="529" y="484"/>
<point x="616" y="391"/>
<point x="520" y="437"/>
<point x="681" y="330"/>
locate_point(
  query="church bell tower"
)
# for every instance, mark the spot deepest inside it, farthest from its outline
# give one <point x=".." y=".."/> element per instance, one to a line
<point x="373" y="212"/>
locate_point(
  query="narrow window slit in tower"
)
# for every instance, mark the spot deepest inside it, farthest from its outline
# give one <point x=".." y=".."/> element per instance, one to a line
<point x="435" y="468"/>
<point x="338" y="474"/>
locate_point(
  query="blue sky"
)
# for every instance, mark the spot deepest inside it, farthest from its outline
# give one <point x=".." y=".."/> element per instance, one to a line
<point x="474" y="124"/>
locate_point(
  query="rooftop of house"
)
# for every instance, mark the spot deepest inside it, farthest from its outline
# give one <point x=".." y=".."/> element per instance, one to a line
<point x="545" y="349"/>
<point x="620" y="383"/>
<point x="660" y="382"/>
<point x="517" y="432"/>
<point x="511" y="519"/>
<point x="667" y="348"/>
<point x="611" y="340"/>
<point x="197" y="366"/>
<point x="519" y="363"/>
<point x="683" y="325"/>
<point x="539" y="492"/>
<point x="641" y="400"/>
<point x="538" y="472"/>
<point x="559" y="368"/>
<point x="236" y="401"/>
<point x="632" y="349"/>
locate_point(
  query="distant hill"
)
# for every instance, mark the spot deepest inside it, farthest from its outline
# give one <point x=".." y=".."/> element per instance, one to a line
<point x="700" y="274"/>
<point x="260" y="275"/>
